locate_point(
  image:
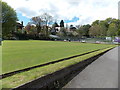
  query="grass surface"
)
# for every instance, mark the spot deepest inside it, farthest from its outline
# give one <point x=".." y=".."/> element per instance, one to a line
<point x="24" y="77"/>
<point x="22" y="54"/>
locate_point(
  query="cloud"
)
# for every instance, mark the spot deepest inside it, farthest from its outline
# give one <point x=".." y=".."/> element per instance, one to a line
<point x="26" y="12"/>
<point x="86" y="10"/>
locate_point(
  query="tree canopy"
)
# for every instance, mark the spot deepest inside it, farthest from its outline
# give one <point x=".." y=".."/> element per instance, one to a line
<point x="109" y="27"/>
<point x="9" y="19"/>
<point x="61" y="23"/>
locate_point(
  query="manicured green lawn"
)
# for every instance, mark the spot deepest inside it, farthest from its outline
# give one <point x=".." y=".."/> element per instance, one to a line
<point x="21" y="54"/>
<point x="24" y="77"/>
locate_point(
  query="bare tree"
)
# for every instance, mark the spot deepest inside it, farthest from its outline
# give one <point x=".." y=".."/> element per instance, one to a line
<point x="46" y="18"/>
<point x="38" y="22"/>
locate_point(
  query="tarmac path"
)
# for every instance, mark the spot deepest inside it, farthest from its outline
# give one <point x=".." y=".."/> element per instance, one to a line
<point x="102" y="73"/>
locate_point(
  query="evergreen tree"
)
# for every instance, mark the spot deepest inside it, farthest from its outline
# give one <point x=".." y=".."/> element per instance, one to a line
<point x="61" y="23"/>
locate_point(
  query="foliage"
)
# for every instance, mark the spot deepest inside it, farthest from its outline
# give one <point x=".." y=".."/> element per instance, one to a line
<point x="95" y="23"/>
<point x="46" y="18"/>
<point x="30" y="29"/>
<point x="9" y="19"/>
<point x="42" y="23"/>
<point x="112" y="30"/>
<point x="63" y="32"/>
<point x="55" y="25"/>
<point x="38" y="22"/>
<point x="108" y="27"/>
<point x="118" y="33"/>
<point x="84" y="29"/>
<point x="94" y="30"/>
<point x="103" y="28"/>
<point x="61" y="23"/>
<point x="80" y="32"/>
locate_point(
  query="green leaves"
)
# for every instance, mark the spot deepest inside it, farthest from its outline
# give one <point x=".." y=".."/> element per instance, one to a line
<point x="112" y="30"/>
<point x="9" y="19"/>
<point x="108" y="27"/>
<point x="61" y="23"/>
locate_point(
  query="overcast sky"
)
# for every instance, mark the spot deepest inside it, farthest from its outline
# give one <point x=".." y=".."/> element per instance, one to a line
<point x="71" y="11"/>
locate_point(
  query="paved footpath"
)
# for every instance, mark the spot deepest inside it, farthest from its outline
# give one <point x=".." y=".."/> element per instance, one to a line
<point x="102" y="73"/>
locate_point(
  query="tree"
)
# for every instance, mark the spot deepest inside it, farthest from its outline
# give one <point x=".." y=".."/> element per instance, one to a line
<point x="46" y="18"/>
<point x="96" y="22"/>
<point x="54" y="29"/>
<point x="61" y="23"/>
<point x="94" y="31"/>
<point x="9" y="19"/>
<point x="38" y="22"/>
<point x="85" y="29"/>
<point x="80" y="33"/>
<point x="112" y="30"/>
<point x="103" y="28"/>
<point x="42" y="23"/>
<point x="99" y="28"/>
<point x="118" y="33"/>
<point x="55" y="25"/>
<point x="31" y="29"/>
<point x="63" y="32"/>
<point x="109" y="20"/>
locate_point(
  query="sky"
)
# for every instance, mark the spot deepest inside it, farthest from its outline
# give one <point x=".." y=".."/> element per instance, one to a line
<point x="76" y="12"/>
